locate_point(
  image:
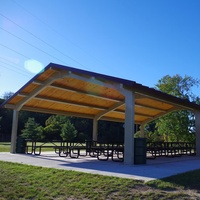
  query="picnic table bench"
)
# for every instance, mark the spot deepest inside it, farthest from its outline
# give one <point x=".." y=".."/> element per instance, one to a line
<point x="35" y="147"/>
<point x="102" y="151"/>
<point x="170" y="149"/>
<point x="75" y="149"/>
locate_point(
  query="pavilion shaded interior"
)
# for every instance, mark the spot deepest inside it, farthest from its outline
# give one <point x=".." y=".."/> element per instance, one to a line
<point x="69" y="91"/>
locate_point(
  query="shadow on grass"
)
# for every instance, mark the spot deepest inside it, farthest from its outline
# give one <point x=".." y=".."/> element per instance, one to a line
<point x="5" y="144"/>
<point x="189" y="180"/>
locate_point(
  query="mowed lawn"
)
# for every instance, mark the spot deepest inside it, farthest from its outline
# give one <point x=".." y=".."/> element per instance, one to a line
<point x="19" y="181"/>
<point x="5" y="146"/>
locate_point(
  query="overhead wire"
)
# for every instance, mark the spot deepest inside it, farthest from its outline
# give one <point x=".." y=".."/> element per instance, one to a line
<point x="14" y="51"/>
<point x="58" y="33"/>
<point x="38" y="38"/>
<point x="41" y="39"/>
<point x="25" y="73"/>
<point x="11" y="69"/>
<point x="31" y="44"/>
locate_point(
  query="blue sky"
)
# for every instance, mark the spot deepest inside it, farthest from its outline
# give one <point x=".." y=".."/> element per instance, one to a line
<point x="139" y="40"/>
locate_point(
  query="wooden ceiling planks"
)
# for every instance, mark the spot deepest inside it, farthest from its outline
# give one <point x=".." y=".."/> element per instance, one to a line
<point x="78" y="92"/>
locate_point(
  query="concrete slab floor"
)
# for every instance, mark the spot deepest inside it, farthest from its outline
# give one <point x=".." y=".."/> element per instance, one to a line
<point x="154" y="169"/>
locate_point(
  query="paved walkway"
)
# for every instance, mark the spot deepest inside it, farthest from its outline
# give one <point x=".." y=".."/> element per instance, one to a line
<point x="154" y="169"/>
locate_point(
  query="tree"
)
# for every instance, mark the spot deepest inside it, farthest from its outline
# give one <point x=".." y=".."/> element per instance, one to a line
<point x="53" y="127"/>
<point x="7" y="95"/>
<point x="39" y="118"/>
<point x="150" y="133"/>
<point x="5" y="123"/>
<point x="83" y="126"/>
<point x="178" y="125"/>
<point x="68" y="132"/>
<point x="7" y="117"/>
<point x="32" y="130"/>
<point x="178" y="86"/>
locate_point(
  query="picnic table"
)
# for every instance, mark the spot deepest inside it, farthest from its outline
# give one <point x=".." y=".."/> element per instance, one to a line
<point x="170" y="149"/>
<point x="35" y="146"/>
<point x="100" y="150"/>
<point x="105" y="150"/>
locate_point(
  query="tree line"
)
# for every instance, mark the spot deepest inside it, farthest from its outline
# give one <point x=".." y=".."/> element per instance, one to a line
<point x="175" y="126"/>
<point x="178" y="126"/>
<point x="39" y="126"/>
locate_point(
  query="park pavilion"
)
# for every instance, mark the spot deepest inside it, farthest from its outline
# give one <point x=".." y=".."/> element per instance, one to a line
<point x="69" y="91"/>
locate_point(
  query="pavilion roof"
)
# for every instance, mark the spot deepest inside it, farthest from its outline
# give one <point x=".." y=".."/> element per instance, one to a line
<point x="69" y="91"/>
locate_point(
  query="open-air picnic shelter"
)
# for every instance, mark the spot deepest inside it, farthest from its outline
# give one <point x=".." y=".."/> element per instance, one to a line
<point x="69" y="91"/>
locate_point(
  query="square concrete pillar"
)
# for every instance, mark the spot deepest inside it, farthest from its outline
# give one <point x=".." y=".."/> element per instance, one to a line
<point x="14" y="131"/>
<point x="95" y="129"/>
<point x="129" y="128"/>
<point x="197" y="125"/>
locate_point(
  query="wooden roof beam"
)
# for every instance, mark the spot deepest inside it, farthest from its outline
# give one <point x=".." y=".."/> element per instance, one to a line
<point x="161" y="96"/>
<point x="150" y="107"/>
<point x="57" y="112"/>
<point x="55" y="100"/>
<point x="117" y="120"/>
<point x="37" y="90"/>
<point x="82" y="92"/>
<point x="112" y="108"/>
<point x="143" y="115"/>
<point x="136" y="113"/>
<point x="37" y="82"/>
<point x="96" y="81"/>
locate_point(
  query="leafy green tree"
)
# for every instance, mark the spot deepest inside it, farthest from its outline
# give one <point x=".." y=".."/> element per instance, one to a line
<point x="5" y="123"/>
<point x="32" y="130"/>
<point x="7" y="116"/>
<point x="83" y="126"/>
<point x="178" y="125"/>
<point x="68" y="132"/>
<point x="54" y="126"/>
<point x="150" y="133"/>
<point x="39" y="118"/>
<point x="178" y="86"/>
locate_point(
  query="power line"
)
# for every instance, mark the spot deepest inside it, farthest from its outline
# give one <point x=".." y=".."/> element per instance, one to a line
<point x="41" y="40"/>
<point x="15" y="51"/>
<point x="54" y="30"/>
<point x="15" y="66"/>
<point x="11" y="69"/>
<point x="30" y="44"/>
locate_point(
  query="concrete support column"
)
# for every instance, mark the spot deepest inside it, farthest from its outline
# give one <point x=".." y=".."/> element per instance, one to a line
<point x="14" y="131"/>
<point x="197" y="125"/>
<point x="129" y="128"/>
<point x="95" y="129"/>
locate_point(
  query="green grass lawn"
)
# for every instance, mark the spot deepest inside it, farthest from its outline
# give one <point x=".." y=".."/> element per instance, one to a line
<point x="19" y="181"/>
<point x="4" y="146"/>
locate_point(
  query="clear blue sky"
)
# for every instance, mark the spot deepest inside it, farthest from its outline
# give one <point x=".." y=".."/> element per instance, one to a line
<point x="139" y="40"/>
